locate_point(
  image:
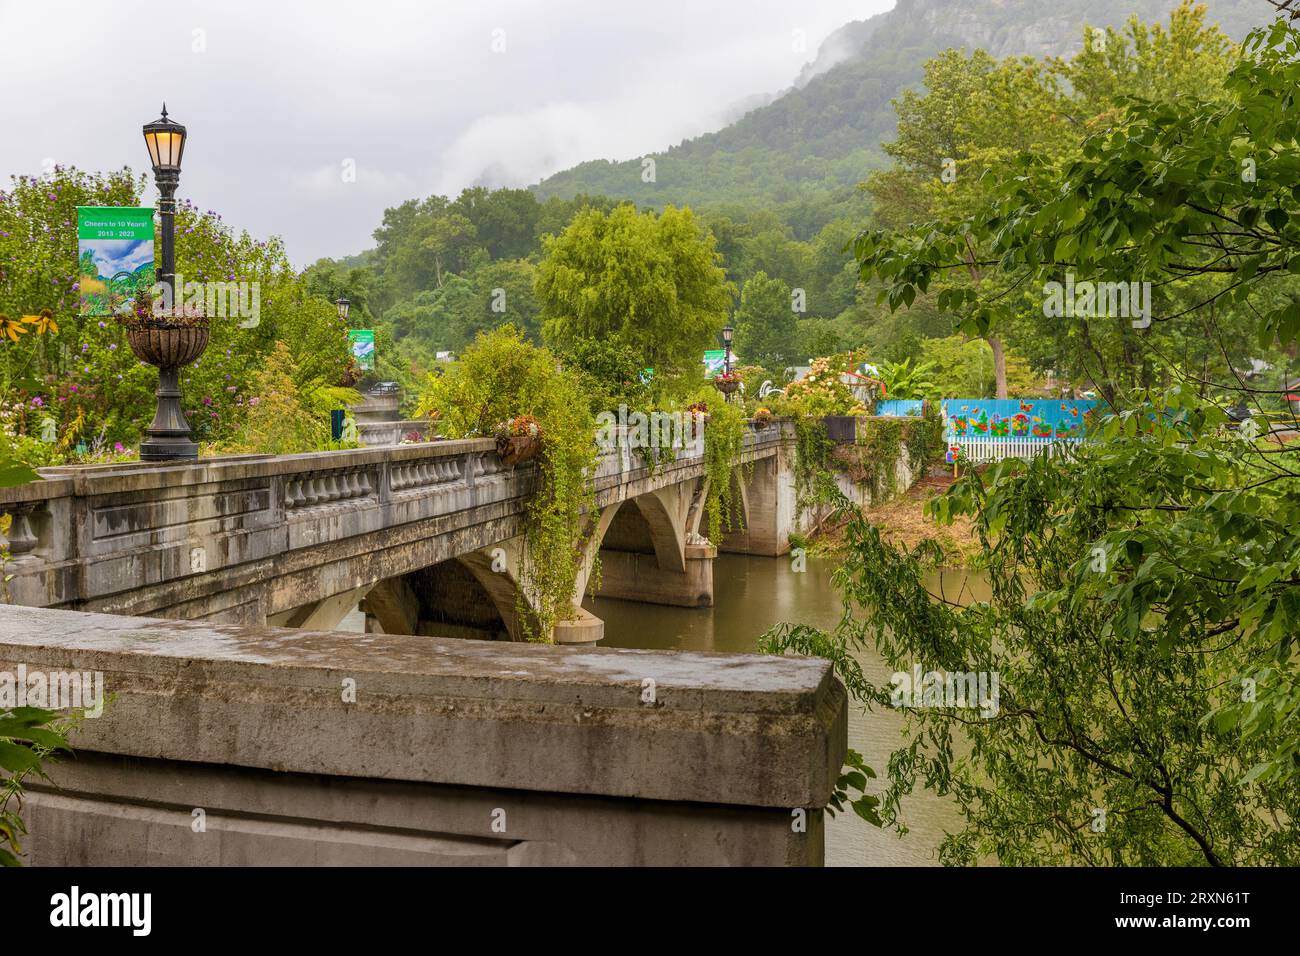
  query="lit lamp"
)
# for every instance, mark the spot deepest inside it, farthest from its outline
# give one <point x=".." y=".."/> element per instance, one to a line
<point x="166" y="142"/>
<point x="343" y="304"/>
<point x="727" y="333"/>
<point x="163" y="341"/>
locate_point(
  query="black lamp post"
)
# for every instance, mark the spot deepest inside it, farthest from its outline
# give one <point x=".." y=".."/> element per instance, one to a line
<point x="343" y="304"/>
<point x="727" y="333"/>
<point x="164" y="341"/>
<point x="166" y="142"/>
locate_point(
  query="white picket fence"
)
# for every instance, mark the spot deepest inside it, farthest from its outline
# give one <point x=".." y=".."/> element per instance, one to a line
<point x="982" y="450"/>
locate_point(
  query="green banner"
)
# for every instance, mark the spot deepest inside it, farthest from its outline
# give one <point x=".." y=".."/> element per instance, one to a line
<point x="714" y="359"/>
<point x="115" y="222"/>
<point x="362" y="343"/>
<point x="114" y="257"/>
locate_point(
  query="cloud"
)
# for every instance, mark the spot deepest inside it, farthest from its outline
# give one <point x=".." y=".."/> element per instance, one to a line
<point x="520" y="148"/>
<point x="121" y="255"/>
<point x="411" y="90"/>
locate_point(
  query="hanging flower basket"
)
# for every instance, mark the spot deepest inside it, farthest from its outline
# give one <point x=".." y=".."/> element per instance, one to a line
<point x="351" y="375"/>
<point x="727" y="383"/>
<point x="519" y="440"/>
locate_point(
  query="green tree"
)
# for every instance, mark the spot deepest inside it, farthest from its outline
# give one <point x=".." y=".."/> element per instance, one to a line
<point x="504" y="220"/>
<point x="651" y="282"/>
<point x="1146" y="586"/>
<point x="979" y="115"/>
<point x="766" y="328"/>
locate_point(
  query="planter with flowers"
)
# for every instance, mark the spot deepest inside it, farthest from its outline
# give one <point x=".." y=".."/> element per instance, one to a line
<point x="763" y="417"/>
<point x="169" y="340"/>
<point x="727" y="383"/>
<point x="519" y="439"/>
<point x="352" y="374"/>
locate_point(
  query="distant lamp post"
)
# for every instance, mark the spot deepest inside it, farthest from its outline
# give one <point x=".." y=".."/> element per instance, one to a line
<point x="343" y="304"/>
<point x="174" y="339"/>
<point x="727" y="333"/>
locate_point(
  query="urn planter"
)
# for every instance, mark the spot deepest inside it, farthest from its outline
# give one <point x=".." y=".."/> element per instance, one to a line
<point x="169" y="346"/>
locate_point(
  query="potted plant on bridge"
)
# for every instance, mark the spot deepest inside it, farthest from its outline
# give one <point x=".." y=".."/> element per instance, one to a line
<point x="519" y="439"/>
<point x="168" y="339"/>
<point x="763" y="417"/>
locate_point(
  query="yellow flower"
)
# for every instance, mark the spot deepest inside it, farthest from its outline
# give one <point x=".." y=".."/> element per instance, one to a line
<point x="10" y="328"/>
<point x="43" y="321"/>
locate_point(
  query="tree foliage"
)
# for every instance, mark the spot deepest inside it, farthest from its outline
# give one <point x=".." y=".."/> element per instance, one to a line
<point x="1146" y="588"/>
<point x="651" y="282"/>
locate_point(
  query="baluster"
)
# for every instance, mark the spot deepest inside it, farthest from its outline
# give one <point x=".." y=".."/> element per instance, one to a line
<point x="22" y="539"/>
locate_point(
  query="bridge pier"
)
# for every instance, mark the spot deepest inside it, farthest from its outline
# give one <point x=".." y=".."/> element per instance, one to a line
<point x="630" y="576"/>
<point x="652" y="551"/>
<point x="771" y="508"/>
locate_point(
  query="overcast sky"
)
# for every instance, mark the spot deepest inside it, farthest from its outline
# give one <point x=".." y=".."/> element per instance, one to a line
<point x="279" y="96"/>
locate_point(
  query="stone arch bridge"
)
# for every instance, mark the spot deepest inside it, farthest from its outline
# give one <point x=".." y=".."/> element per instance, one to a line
<point x="424" y="538"/>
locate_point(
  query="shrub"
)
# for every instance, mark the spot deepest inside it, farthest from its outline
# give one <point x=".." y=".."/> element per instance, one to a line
<point x="501" y="378"/>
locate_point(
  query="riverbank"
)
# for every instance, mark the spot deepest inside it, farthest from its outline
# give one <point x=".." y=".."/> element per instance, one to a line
<point x="903" y="522"/>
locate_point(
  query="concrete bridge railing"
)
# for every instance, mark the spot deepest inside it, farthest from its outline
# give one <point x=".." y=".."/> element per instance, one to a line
<point x="247" y="539"/>
<point x="226" y="744"/>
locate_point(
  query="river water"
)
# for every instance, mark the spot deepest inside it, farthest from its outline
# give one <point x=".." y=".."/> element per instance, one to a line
<point x="752" y="594"/>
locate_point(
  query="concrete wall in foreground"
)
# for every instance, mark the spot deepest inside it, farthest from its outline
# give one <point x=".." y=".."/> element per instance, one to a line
<point x="223" y="744"/>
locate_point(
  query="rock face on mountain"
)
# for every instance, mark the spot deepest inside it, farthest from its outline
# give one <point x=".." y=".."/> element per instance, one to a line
<point x="824" y="133"/>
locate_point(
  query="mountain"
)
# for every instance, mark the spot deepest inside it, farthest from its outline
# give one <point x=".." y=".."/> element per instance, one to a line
<point x="820" y="137"/>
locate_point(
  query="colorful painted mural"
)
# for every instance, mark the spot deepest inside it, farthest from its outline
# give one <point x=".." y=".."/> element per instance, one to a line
<point x="1043" y="419"/>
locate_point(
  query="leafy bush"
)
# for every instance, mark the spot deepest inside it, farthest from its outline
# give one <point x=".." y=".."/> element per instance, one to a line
<point x="499" y="378"/>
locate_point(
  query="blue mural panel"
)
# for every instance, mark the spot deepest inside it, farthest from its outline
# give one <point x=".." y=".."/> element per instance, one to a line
<point x="1033" y="419"/>
<point x="910" y="407"/>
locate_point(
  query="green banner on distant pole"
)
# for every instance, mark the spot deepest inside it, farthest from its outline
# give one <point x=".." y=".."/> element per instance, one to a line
<point x="714" y="360"/>
<point x="114" y="256"/>
<point x="362" y="343"/>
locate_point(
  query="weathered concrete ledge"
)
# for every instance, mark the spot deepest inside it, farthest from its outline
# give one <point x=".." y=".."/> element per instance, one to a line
<point x="589" y="755"/>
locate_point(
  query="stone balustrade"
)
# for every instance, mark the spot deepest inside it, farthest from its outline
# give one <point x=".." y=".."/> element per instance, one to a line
<point x="246" y="537"/>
